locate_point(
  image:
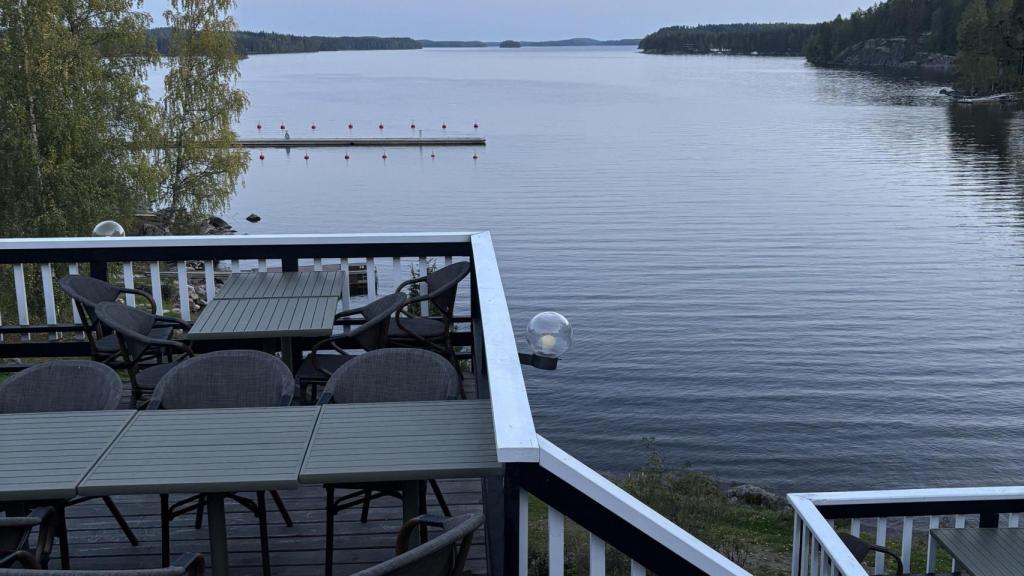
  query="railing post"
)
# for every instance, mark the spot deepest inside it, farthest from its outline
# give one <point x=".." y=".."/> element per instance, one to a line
<point x="501" y="510"/>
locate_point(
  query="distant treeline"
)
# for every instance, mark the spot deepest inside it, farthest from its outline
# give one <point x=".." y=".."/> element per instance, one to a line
<point x="985" y="36"/>
<point x="771" y="39"/>
<point x="273" y="43"/>
<point x="568" y="42"/>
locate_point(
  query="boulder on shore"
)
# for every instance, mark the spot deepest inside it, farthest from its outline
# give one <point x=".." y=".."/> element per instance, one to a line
<point x="755" y="496"/>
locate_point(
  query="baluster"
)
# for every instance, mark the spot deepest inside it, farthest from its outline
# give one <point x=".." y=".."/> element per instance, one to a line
<point x="815" y="552"/>
<point x="797" y="533"/>
<point x="346" y="286"/>
<point x="261" y="265"/>
<point x="556" y="542"/>
<point x="46" y="273"/>
<point x="855" y="527"/>
<point x="156" y="285"/>
<point x="1013" y="520"/>
<point x="636" y="569"/>
<point x="236" y="266"/>
<point x="396" y="272"/>
<point x="822" y="561"/>
<point x="908" y="540"/>
<point x="805" y="555"/>
<point x="183" y="301"/>
<point x="73" y="269"/>
<point x="959" y="521"/>
<point x="318" y="265"/>
<point x="881" y="525"/>
<point x="597" y="556"/>
<point x="524" y="531"/>
<point x="447" y="260"/>
<point x="211" y="282"/>
<point x="933" y="523"/>
<point x="128" y="271"/>
<point x="423" y="271"/>
<point x="371" y="279"/>
<point x="22" y="297"/>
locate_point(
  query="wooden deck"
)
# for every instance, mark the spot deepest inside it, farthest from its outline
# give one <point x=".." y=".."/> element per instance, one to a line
<point x="97" y="543"/>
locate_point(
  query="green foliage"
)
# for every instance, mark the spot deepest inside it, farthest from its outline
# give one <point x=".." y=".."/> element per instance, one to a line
<point x="75" y="119"/>
<point x="768" y="39"/>
<point x="273" y="43"/>
<point x="991" y="47"/>
<point x="199" y="159"/>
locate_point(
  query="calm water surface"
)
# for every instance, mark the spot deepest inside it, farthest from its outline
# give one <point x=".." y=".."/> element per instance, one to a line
<point x="809" y="279"/>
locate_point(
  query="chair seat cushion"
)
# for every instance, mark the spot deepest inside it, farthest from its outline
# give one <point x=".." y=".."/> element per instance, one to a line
<point x="149" y="377"/>
<point x="428" y="328"/>
<point x="108" y="344"/>
<point x="329" y="362"/>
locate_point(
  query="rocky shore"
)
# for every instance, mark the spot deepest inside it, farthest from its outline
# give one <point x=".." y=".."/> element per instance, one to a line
<point x="894" y="54"/>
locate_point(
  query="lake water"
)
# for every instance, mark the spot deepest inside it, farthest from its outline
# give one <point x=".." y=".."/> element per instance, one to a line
<point x="808" y="279"/>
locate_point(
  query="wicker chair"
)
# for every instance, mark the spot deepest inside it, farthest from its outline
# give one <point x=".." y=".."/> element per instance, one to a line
<point x="87" y="292"/>
<point x="14" y="538"/>
<point x="386" y="375"/>
<point x="66" y="386"/>
<point x="430" y="332"/>
<point x="143" y="355"/>
<point x="226" y="379"/>
<point x="184" y="565"/>
<point x="445" y="555"/>
<point x="370" y="335"/>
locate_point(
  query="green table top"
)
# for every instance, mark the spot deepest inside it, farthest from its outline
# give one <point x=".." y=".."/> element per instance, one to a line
<point x="265" y="318"/>
<point x="209" y="450"/>
<point x="282" y="285"/>
<point x="985" y="551"/>
<point x="44" y="456"/>
<point x="398" y="441"/>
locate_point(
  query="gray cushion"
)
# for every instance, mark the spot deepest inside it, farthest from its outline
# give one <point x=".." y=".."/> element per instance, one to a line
<point x="150" y="377"/>
<point x="109" y="345"/>
<point x="428" y="328"/>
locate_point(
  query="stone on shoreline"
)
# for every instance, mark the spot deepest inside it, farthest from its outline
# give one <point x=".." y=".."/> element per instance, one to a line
<point x="755" y="496"/>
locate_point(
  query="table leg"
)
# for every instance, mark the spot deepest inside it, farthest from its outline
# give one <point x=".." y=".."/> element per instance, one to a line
<point x="218" y="534"/>
<point x="411" y="508"/>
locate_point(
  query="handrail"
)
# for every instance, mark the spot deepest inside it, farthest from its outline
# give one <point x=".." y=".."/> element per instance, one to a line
<point x="842" y="559"/>
<point x="231" y="240"/>
<point x="632" y="511"/>
<point x="514" y="432"/>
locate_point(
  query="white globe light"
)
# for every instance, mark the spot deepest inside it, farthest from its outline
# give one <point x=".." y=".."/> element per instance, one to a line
<point x="108" y="229"/>
<point x="549" y="334"/>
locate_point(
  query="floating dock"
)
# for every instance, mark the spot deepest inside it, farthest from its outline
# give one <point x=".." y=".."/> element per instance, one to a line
<point x="360" y="142"/>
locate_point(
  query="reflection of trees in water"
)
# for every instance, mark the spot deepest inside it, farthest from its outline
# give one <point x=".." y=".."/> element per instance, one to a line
<point x="987" y="142"/>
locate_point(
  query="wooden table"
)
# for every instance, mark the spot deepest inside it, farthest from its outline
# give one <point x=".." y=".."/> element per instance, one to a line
<point x="44" y="456"/>
<point x="984" y="551"/>
<point x="272" y="306"/>
<point x="209" y="452"/>
<point x="406" y="442"/>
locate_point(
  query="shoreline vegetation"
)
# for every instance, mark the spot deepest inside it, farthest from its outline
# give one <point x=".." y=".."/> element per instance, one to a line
<point x="253" y="43"/>
<point x="978" y="44"/>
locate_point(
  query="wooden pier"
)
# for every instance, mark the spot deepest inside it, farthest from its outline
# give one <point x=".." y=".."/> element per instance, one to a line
<point x="413" y="141"/>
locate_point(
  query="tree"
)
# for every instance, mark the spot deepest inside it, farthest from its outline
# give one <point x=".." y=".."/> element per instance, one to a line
<point x="75" y="121"/>
<point x="199" y="159"/>
<point x="976" y="67"/>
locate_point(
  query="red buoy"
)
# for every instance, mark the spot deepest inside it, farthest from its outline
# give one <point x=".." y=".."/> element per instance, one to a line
<point x="313" y="126"/>
<point x="384" y="156"/>
<point x="346" y="156"/>
<point x="381" y="126"/>
<point x="282" y="127"/>
<point x="349" y="125"/>
<point x="259" y="126"/>
<point x="444" y="126"/>
<point x="476" y="125"/>
<point x="261" y="156"/>
<point x="306" y="157"/>
<point x="475" y="156"/>
<point x="413" y="125"/>
<point x="432" y="155"/>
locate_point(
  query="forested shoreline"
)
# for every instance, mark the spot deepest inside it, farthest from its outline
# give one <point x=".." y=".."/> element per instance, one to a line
<point x="273" y="43"/>
<point x="979" y="42"/>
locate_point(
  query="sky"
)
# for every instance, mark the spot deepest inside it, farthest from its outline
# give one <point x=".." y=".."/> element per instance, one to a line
<point x="512" y="19"/>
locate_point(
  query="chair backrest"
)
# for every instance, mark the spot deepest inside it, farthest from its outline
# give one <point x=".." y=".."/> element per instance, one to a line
<point x="131" y="325"/>
<point x="373" y="333"/>
<point x="445" y="555"/>
<point x="61" y="386"/>
<point x="394" y="375"/>
<point x="87" y="292"/>
<point x="443" y="284"/>
<point x="225" y="379"/>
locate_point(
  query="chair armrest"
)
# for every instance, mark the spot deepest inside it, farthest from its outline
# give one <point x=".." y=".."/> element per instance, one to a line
<point x="193" y="563"/>
<point x="145" y="295"/>
<point x="410" y="282"/>
<point x="171" y="321"/>
<point x="404" y="534"/>
<point x="350" y="312"/>
<point x="22" y="557"/>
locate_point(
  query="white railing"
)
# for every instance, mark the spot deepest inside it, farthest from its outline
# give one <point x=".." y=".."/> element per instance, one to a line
<point x="687" y="554"/>
<point x="900" y="520"/>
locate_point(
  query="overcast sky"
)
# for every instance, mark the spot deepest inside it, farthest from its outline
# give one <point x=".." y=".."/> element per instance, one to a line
<point x="512" y="19"/>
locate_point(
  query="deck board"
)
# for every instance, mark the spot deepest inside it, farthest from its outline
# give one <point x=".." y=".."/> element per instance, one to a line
<point x="97" y="543"/>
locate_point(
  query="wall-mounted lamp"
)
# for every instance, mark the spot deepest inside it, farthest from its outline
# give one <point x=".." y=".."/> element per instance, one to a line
<point x="108" y="229"/>
<point x="550" y="336"/>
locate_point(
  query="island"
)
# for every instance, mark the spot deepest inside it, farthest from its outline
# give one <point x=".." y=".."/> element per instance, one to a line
<point x="510" y="44"/>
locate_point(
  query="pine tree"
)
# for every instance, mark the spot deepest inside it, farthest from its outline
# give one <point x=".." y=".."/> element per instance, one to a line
<point x="200" y="162"/>
<point x="976" y="65"/>
<point x="74" y="117"/>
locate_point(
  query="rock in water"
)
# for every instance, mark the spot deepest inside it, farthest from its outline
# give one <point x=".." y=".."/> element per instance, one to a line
<point x="254" y="218"/>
